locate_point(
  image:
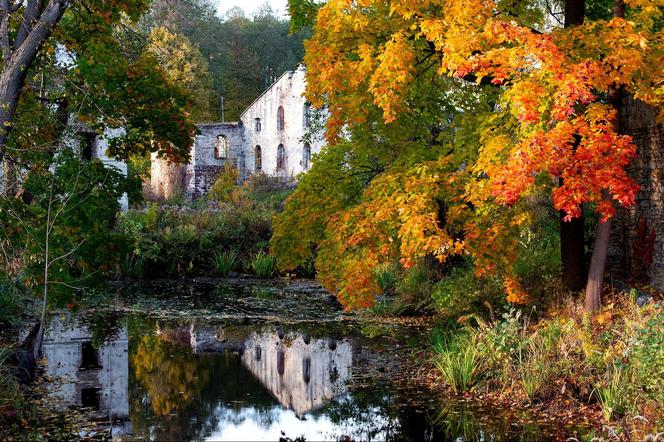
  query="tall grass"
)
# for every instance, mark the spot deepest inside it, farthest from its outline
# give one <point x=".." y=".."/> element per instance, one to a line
<point x="459" y="360"/>
<point x="224" y="262"/>
<point x="263" y="264"/>
<point x="612" y="396"/>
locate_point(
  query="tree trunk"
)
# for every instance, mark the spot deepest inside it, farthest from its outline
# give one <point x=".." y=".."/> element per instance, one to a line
<point x="18" y="56"/>
<point x="572" y="253"/>
<point x="572" y="247"/>
<point x="593" y="300"/>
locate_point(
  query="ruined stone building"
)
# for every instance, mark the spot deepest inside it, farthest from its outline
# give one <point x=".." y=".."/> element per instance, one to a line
<point x="269" y="139"/>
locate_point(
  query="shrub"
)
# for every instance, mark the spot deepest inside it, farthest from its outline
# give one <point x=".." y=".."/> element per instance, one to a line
<point x="461" y="292"/>
<point x="10" y="393"/>
<point x="224" y="185"/>
<point x="224" y="262"/>
<point x="648" y="355"/>
<point x="263" y="264"/>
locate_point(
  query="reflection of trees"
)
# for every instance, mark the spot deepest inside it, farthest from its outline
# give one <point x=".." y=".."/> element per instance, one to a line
<point x="169" y="373"/>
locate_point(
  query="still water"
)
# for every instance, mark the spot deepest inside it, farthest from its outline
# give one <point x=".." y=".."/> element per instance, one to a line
<point x="193" y="379"/>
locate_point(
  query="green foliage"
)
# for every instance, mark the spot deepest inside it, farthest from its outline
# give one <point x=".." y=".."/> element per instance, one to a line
<point x="180" y="240"/>
<point x="263" y="264"/>
<point x="73" y="211"/>
<point x="648" y="355"/>
<point x="612" y="394"/>
<point x="386" y="278"/>
<point x="10" y="391"/>
<point x="462" y="292"/>
<point x="459" y="360"/>
<point x="224" y="185"/>
<point x="11" y="304"/>
<point x="224" y="262"/>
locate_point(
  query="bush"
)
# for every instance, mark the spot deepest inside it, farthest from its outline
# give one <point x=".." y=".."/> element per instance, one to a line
<point x="224" y="262"/>
<point x="263" y="264"/>
<point x="461" y="292"/>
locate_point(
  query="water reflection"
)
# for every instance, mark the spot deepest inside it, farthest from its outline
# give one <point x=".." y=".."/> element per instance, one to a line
<point x="301" y="376"/>
<point x="196" y="381"/>
<point x="87" y="375"/>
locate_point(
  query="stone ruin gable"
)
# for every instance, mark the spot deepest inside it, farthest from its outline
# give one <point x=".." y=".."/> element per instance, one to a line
<point x="205" y="166"/>
<point x="286" y="92"/>
<point x="648" y="170"/>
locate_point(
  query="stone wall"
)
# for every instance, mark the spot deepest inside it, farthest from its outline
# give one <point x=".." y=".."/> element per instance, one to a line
<point x="205" y="166"/>
<point x="287" y="92"/>
<point x="167" y="179"/>
<point x="648" y="170"/>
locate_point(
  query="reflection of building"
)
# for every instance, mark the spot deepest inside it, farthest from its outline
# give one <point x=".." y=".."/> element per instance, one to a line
<point x="85" y="375"/>
<point x="302" y="374"/>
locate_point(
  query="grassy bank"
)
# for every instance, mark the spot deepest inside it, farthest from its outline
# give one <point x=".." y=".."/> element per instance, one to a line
<point x="608" y="370"/>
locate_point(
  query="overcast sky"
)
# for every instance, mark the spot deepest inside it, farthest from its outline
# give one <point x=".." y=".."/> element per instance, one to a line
<point x="250" y="6"/>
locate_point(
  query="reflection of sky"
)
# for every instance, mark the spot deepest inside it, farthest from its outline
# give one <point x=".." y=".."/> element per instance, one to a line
<point x="250" y="424"/>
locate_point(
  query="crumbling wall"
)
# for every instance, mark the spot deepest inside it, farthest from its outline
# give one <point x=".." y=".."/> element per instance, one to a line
<point x="639" y="120"/>
<point x="166" y="179"/>
<point x="205" y="166"/>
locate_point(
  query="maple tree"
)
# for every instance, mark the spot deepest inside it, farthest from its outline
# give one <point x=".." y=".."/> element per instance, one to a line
<point x="554" y="126"/>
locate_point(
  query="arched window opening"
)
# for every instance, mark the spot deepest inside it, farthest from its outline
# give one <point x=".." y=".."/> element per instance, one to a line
<point x="258" y="158"/>
<point x="221" y="147"/>
<point x="307" y="116"/>
<point x="258" y="124"/>
<point x="306" y="156"/>
<point x="280" y="118"/>
<point x="281" y="157"/>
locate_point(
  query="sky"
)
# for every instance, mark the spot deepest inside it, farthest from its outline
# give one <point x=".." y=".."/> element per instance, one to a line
<point x="250" y="6"/>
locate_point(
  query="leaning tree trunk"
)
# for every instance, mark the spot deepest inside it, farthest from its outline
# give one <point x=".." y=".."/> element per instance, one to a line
<point x="39" y="19"/>
<point x="593" y="301"/>
<point x="572" y="247"/>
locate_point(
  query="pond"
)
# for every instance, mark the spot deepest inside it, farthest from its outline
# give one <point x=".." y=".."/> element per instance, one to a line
<point x="150" y="369"/>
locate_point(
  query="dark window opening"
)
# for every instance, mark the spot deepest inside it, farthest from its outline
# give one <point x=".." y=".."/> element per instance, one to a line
<point x="258" y="158"/>
<point x="87" y="145"/>
<point x="259" y="353"/>
<point x="307" y="116"/>
<point x="281" y="362"/>
<point x="89" y="356"/>
<point x="306" y="156"/>
<point x="258" y="124"/>
<point x="90" y="398"/>
<point x="281" y="157"/>
<point x="280" y="118"/>
<point x="306" y="370"/>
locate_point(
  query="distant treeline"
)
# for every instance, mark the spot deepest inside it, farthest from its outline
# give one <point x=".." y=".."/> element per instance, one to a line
<point x="244" y="54"/>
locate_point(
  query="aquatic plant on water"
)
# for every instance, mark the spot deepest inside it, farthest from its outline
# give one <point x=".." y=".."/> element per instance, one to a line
<point x="263" y="264"/>
<point x="224" y="262"/>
